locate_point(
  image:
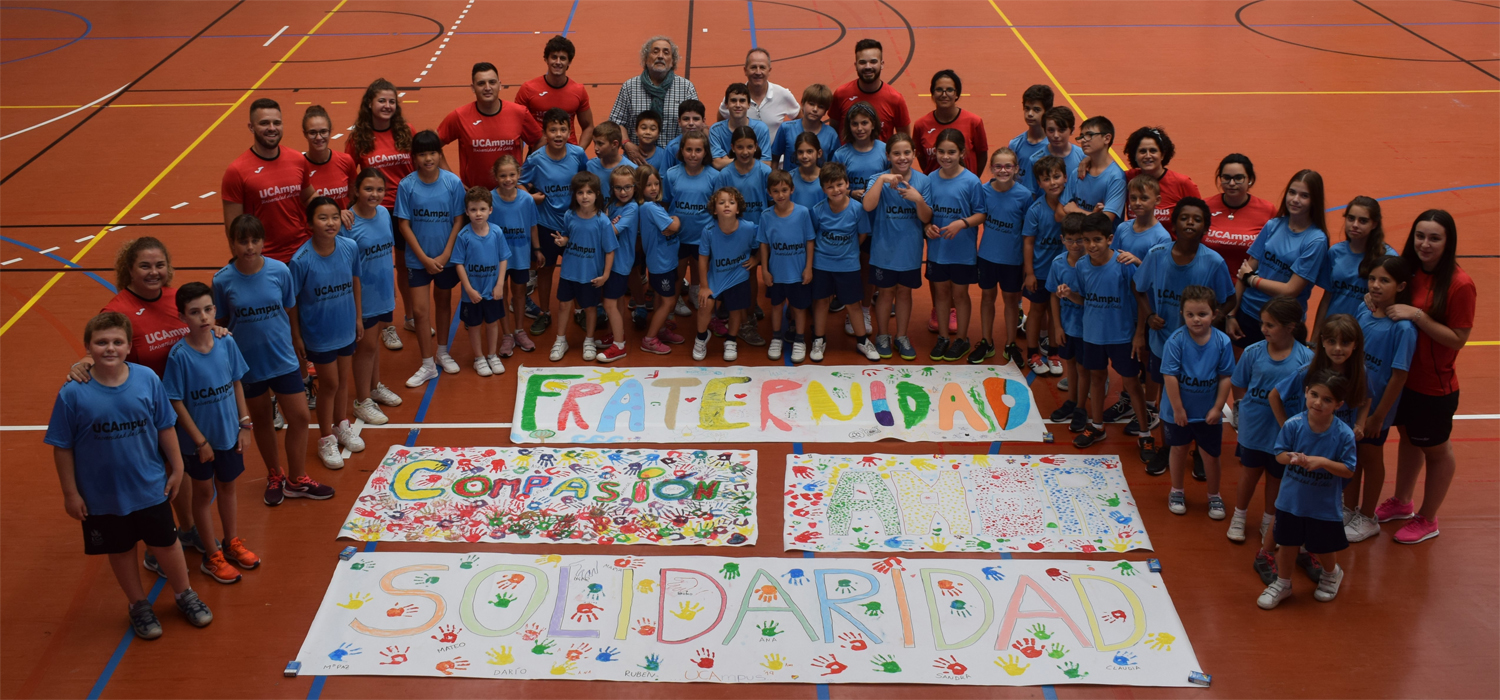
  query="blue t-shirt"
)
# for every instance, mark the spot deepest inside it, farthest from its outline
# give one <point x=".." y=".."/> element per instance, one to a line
<point x="625" y="217"/>
<point x="1316" y="494"/>
<point x="808" y="193"/>
<point x="1293" y="389"/>
<point x="896" y="234"/>
<point x="554" y="180"/>
<point x="727" y="254"/>
<point x="326" y="313"/>
<point x="596" y="166"/>
<point x="1059" y="272"/>
<point x="1138" y="244"/>
<point x="1198" y="369"/>
<point x="837" y="246"/>
<point x="1388" y="347"/>
<point x="588" y="242"/>
<point x="787" y="237"/>
<point x="377" y="287"/>
<point x="430" y="209"/>
<point x="1004" y="218"/>
<point x="1070" y="168"/>
<point x="1162" y="280"/>
<point x="686" y="197"/>
<point x="1045" y="231"/>
<point x="662" y="158"/>
<point x="481" y="257"/>
<point x="660" y="250"/>
<point x="1024" y="150"/>
<point x="515" y="219"/>
<point x="204" y="383"/>
<point x="1257" y="373"/>
<point x="1340" y="279"/>
<point x="113" y="433"/>
<point x="752" y="186"/>
<point x="721" y="145"/>
<point x="862" y="165"/>
<point x="784" y="145"/>
<point x="1107" y="188"/>
<point x="952" y="199"/>
<point x="1283" y="254"/>
<point x="1109" y="308"/>
<point x="253" y="307"/>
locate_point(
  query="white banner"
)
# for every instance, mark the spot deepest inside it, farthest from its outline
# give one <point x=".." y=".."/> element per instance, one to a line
<point x="752" y="620"/>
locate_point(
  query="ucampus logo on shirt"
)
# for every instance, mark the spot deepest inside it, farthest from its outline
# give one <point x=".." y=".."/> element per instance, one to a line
<point x="426" y="214"/>
<point x="327" y="292"/>
<point x="1101" y="299"/>
<point x="729" y="262"/>
<point x="783" y="248"/>
<point x="275" y="194"/>
<point x="489" y="145"/>
<point x="212" y="394"/>
<point x="835" y="237"/>
<point x="252" y="314"/>
<point x="1198" y="384"/>
<point x="1277" y="262"/>
<point x="118" y="430"/>
<point x="385" y="160"/>
<point x="375" y="252"/>
<point x="999" y="225"/>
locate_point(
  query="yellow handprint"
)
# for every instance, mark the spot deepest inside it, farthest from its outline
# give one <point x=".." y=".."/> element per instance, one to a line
<point x="925" y="465"/>
<point x="774" y="662"/>
<point x="1011" y="665"/>
<point x="938" y="544"/>
<point x="645" y="586"/>
<point x="355" y="601"/>
<point x="501" y="657"/>
<point x="553" y="559"/>
<point x="1160" y="641"/>
<point x="687" y="611"/>
<point x="1118" y="544"/>
<point x="564" y="668"/>
<point x="366" y="530"/>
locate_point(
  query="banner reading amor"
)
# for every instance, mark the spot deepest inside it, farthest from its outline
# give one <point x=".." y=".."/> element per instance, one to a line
<point x="774" y="404"/>
<point x="960" y="503"/>
<point x="754" y="620"/>
<point x="580" y="495"/>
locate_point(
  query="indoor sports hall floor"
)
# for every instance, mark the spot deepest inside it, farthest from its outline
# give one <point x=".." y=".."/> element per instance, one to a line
<point x="1396" y="100"/>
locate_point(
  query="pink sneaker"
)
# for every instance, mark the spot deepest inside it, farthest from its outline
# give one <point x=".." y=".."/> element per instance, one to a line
<point x="1393" y="509"/>
<point x="669" y="336"/>
<point x="523" y="341"/>
<point x="655" y="346"/>
<point x="507" y="345"/>
<point x="932" y="322"/>
<point x="1420" y="529"/>
<point x="718" y="327"/>
<point x="952" y="320"/>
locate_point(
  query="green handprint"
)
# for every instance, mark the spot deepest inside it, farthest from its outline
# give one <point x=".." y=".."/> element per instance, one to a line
<point x="1070" y="669"/>
<point x="872" y="609"/>
<point x="1112" y="501"/>
<point x="468" y="562"/>
<point x="1039" y="631"/>
<point x="886" y="663"/>
<point x="769" y="630"/>
<point x="362" y="565"/>
<point x="982" y="544"/>
<point x="426" y="579"/>
<point x="730" y="571"/>
<point x="863" y="543"/>
<point x="1058" y="651"/>
<point x="503" y="600"/>
<point x="844" y="586"/>
<point x="543" y="647"/>
<point x="1125" y="568"/>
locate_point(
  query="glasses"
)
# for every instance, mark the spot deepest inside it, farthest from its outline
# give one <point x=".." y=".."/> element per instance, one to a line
<point x="1087" y="135"/>
<point x="1004" y="167"/>
<point x="1233" y="179"/>
<point x="319" y="132"/>
<point x="944" y="91"/>
<point x="622" y="188"/>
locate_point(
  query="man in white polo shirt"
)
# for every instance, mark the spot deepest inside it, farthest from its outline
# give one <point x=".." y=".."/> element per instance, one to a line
<point x="770" y="103"/>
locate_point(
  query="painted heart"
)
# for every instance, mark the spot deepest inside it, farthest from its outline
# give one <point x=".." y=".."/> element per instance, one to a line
<point x="690" y="399"/>
<point x="859" y="529"/>
<point x="740" y="396"/>
<point x="1036" y="546"/>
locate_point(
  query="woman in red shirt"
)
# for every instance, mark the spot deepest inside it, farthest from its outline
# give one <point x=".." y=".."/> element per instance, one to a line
<point x="946" y="89"/>
<point x="330" y="173"/>
<point x="1235" y="216"/>
<point x="382" y="140"/>
<point x="1443" y="300"/>
<point x="1149" y="150"/>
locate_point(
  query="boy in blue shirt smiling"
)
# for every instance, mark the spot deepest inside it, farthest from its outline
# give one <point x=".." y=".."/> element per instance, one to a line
<point x="724" y="264"/>
<point x="326" y="325"/>
<point x="1197" y="363"/>
<point x="787" y="241"/>
<point x="548" y="175"/>
<point x="429" y="213"/>
<point x="841" y="228"/>
<point x="481" y="256"/>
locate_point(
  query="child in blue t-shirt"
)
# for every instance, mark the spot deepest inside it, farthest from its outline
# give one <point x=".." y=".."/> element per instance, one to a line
<point x="482" y="255"/>
<point x="863" y="153"/>
<point x="429" y="213"/>
<point x="202" y="380"/>
<point x="1285" y="258"/>
<point x="326" y="324"/>
<point x="1389" y="345"/>
<point x="607" y="153"/>
<point x="1196" y="370"/>
<point x="841" y="227"/>
<point x="807" y="189"/>
<point x="516" y="215"/>
<point x="1097" y="180"/>
<point x="787" y="241"/>
<point x="725" y="261"/>
<point x="548" y="175"/>
<point x="1067" y="326"/>
<point x="953" y="242"/>
<point x="588" y="243"/>
<point x="1041" y="243"/>
<point x="746" y="172"/>
<point x="1345" y="267"/>
<point x="685" y="192"/>
<point x="898" y="202"/>
<point x="1000" y="273"/>
<point x="816" y="99"/>
<point x="1142" y="232"/>
<point x="371" y="232"/>
<point x="119" y="466"/>
<point x="1318" y="454"/>
<point x="624" y="214"/>
<point x="658" y="233"/>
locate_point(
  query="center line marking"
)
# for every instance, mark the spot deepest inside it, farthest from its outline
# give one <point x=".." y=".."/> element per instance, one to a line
<point x="80" y="240"/>
<point x="150" y="216"/>
<point x="207" y="194"/>
<point x="179" y="206"/>
<point x="44" y="252"/>
<point x="12" y="260"/>
<point x="273" y="36"/>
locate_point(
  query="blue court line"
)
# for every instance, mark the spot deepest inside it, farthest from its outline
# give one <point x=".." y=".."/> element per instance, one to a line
<point x="822" y="688"/>
<point x="569" y="25"/>
<point x="750" y="8"/>
<point x="114" y="659"/>
<point x="62" y="260"/>
<point x="87" y="27"/>
<point x="1425" y="192"/>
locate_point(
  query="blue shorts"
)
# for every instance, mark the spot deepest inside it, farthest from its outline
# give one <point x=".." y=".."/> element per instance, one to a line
<point x="956" y="273"/>
<point x="399" y="240"/>
<point x="1210" y="438"/>
<point x="1377" y="440"/>
<point x="1250" y="326"/>
<point x="371" y="321"/>
<point x="736" y="298"/>
<point x="585" y="294"/>
<point x="1100" y="357"/>
<point x="1318" y="536"/>
<point x="664" y="284"/>
<point x="486" y="311"/>
<point x="1152" y="369"/>
<point x="1068" y="350"/>
<point x="289" y="383"/>
<point x="617" y="285"/>
<point x="420" y="277"/>
<point x="687" y="251"/>
<point x="1007" y="277"/>
<point x="1255" y="459"/>
<point x="227" y="466"/>
<point x="1040" y="296"/>
<point x="844" y="287"/>
<point x="323" y="357"/>
<point x="549" y="248"/>
<point x="797" y="294"/>
<point x="518" y="276"/>
<point x="885" y="279"/>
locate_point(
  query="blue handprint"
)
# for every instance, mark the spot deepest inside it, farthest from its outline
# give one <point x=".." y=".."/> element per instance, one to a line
<point x="993" y="573"/>
<point x="895" y="543"/>
<point x="1124" y="659"/>
<point x="607" y="654"/>
<point x="796" y="577"/>
<point x="596" y="591"/>
<point x="345" y="650"/>
<point x="653" y="663"/>
<point x="1121" y="518"/>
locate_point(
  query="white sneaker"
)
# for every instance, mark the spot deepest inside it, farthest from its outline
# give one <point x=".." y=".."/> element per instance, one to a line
<point x="731" y="351"/>
<point x="370" y="413"/>
<point x="559" y="348"/>
<point x="383" y="395"/>
<point x="700" y="350"/>
<point x="682" y="308"/>
<point x="774" y="350"/>
<point x="799" y="352"/>
<point x="1361" y="528"/>
<point x="482" y="367"/>
<point x="410" y="324"/>
<point x="590" y="350"/>
<point x="277" y="420"/>
<point x="391" y="338"/>
<point x="348" y="437"/>
<point x="693" y="294"/>
<point x="1275" y="593"/>
<point x="1236" y="528"/>
<point x="1063" y="384"/>
<point x="497" y="367"/>
<point x="1038" y="366"/>
<point x="328" y="451"/>
<point x="869" y="327"/>
<point x="869" y="351"/>
<point x="446" y="361"/>
<point x="1328" y="585"/>
<point x="849" y="325"/>
<point x="423" y="375"/>
<point x="1055" y="366"/>
<point x="819" y="347"/>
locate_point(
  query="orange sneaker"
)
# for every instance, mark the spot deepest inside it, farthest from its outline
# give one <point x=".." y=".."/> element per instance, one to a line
<point x="218" y="569"/>
<point x="235" y="549"/>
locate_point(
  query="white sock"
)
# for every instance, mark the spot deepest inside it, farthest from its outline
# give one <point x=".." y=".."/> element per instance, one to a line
<point x="442" y="350"/>
<point x="620" y="344"/>
<point x="429" y="363"/>
<point x="1285" y="582"/>
<point x="1240" y="512"/>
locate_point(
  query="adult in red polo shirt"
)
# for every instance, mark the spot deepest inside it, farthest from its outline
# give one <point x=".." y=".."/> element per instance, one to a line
<point x="382" y="140"/>
<point x="946" y="89"/>
<point x="1235" y="216"/>
<point x="329" y="171"/>
<point x="486" y="129"/>
<point x="1149" y="150"/>
<point x="270" y="183"/>
<point x="889" y="105"/>
<point x="555" y="89"/>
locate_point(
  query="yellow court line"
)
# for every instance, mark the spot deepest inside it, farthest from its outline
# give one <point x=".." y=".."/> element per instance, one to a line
<point x="1483" y="342"/>
<point x="170" y="166"/>
<point x="170" y="104"/>
<point x="1053" y="78"/>
<point x="1288" y="92"/>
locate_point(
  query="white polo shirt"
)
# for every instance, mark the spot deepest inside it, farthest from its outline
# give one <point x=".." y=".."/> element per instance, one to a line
<point x="778" y="106"/>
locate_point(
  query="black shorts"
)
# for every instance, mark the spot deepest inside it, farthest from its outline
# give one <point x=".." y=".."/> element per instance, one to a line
<point x="520" y="277"/>
<point x="1250" y="326"/>
<point x="1040" y="296"/>
<point x="1426" y="421"/>
<point x="1068" y="349"/>
<point x="116" y="534"/>
<point x="1007" y="277"/>
<point x="664" y="283"/>
<point x="486" y="311"/>
<point x="844" y="287"/>
<point x="289" y="383"/>
<point x="795" y="293"/>
<point x="1100" y="357"/>
<point x="372" y="321"/>
<point x="955" y="273"/>
<point x="226" y="466"/>
<point x="549" y="248"/>
<point x="1152" y="370"/>
<point x="399" y="240"/>
<point x="617" y="285"/>
<point x="323" y="357"/>
<point x="736" y="298"/>
<point x="687" y="251"/>
<point x="1255" y="459"/>
<point x="1318" y="536"/>
<point x="584" y="294"/>
<point x="420" y="277"/>
<point x="885" y="279"/>
<point x="1210" y="438"/>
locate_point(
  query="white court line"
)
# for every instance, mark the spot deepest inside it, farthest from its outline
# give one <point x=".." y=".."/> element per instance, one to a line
<point x="277" y="34"/>
<point x="85" y="238"/>
<point x="44" y="252"/>
<point x="150" y="216"/>
<point x="207" y="194"/>
<point x="314" y="426"/>
<point x="64" y="116"/>
<point x="116" y="228"/>
<point x="8" y="262"/>
<point x="179" y="205"/>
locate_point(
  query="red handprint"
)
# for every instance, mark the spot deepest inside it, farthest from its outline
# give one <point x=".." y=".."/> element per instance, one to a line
<point x="830" y="665"/>
<point x="401" y="610"/>
<point x="457" y="663"/>
<point x="885" y="565"/>
<point x="379" y="482"/>
<point x="645" y="627"/>
<point x="1028" y="648"/>
<point x="705" y="659"/>
<point x="802" y="472"/>
<point x="586" y="612"/>
<point x="1058" y="575"/>
<point x="1113" y="616"/>
<point x="951" y="665"/>
<point x="577" y="651"/>
<point x="628" y="563"/>
<point x="853" y="641"/>
<point x="950" y="588"/>
<point x="366" y="512"/>
<point x="448" y="634"/>
<point x="533" y="631"/>
<point x="807" y="537"/>
<point x="801" y="513"/>
<point x="511" y="581"/>
<point x="395" y="656"/>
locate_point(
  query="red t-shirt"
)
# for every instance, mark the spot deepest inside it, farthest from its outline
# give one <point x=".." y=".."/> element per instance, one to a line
<point x="1433" y="366"/>
<point x="889" y="105"/>
<point x="154" y="326"/>
<point x="331" y="179"/>
<point x="536" y="96"/>
<point x="271" y="190"/>
<point x="483" y="139"/>
<point x="927" y="128"/>
<point x="1174" y="186"/>
<point x="1232" y="231"/>
<point x="392" y="164"/>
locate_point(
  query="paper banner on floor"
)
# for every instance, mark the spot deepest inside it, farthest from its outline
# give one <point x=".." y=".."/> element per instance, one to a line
<point x="753" y="620"/>
<point x="960" y="503"/>
<point x="774" y="404"/>
<point x="558" y="496"/>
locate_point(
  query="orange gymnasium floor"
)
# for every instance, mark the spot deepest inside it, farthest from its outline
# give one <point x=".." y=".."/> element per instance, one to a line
<point x="1392" y="99"/>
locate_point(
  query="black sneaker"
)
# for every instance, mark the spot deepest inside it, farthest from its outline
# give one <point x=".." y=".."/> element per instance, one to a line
<point x="1310" y="565"/>
<point x="1064" y="412"/>
<point x="543" y="320"/>
<point x="939" y="350"/>
<point x="1265" y="566"/>
<point x="983" y="350"/>
<point x="1158" y="464"/>
<point x="1133" y="428"/>
<point x="1147" y="445"/>
<point x="957" y="350"/>
<point x="1088" y="437"/>
<point x="1198" y="474"/>
<point x="1014" y="353"/>
<point x="836" y="307"/>
<point x="1080" y="421"/>
<point x="1120" y="411"/>
<point x="143" y="620"/>
<point x="1045" y="345"/>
